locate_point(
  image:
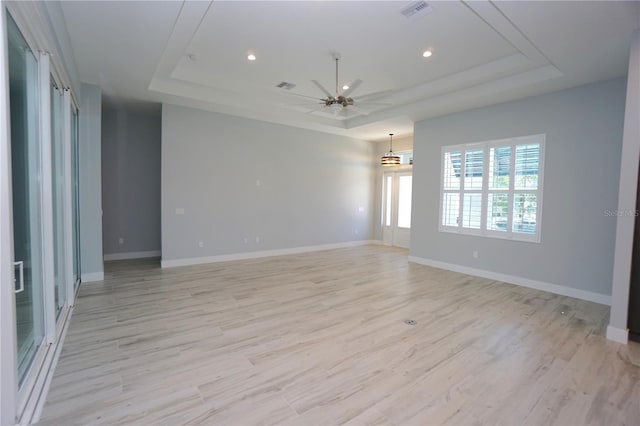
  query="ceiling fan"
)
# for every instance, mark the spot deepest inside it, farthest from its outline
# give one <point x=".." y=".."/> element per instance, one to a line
<point x="341" y="102"/>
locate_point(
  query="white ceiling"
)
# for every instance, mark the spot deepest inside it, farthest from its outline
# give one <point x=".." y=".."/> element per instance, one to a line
<point x="484" y="53"/>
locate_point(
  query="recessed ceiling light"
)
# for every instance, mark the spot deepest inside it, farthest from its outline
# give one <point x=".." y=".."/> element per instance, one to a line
<point x="251" y="57"/>
<point x="345" y="87"/>
<point x="427" y="53"/>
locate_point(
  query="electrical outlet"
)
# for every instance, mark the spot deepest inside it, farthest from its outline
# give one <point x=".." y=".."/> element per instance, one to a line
<point x="201" y="244"/>
<point x="475" y="254"/>
<point x="120" y="240"/>
<point x="257" y="240"/>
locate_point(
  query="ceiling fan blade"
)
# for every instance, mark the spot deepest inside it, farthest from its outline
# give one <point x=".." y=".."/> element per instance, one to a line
<point x="351" y="88"/>
<point x="307" y="105"/>
<point x="321" y="87"/>
<point x="304" y="96"/>
<point x="375" y="95"/>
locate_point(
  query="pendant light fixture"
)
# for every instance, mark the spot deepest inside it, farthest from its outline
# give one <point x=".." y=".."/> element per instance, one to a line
<point x="390" y="159"/>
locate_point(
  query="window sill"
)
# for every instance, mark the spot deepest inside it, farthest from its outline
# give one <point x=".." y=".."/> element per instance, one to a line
<point x="496" y="236"/>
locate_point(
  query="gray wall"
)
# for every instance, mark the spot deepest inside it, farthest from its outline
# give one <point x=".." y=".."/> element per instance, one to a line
<point x="313" y="188"/>
<point x="583" y="128"/>
<point x="130" y="181"/>
<point x="90" y="199"/>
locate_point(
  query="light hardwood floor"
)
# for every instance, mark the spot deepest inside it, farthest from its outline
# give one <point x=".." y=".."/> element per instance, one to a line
<point x="319" y="338"/>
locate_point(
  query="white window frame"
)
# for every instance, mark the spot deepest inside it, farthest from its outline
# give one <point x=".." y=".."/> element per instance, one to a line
<point x="402" y="154"/>
<point x="485" y="191"/>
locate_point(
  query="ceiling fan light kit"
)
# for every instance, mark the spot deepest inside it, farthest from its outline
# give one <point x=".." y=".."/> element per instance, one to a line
<point x="335" y="107"/>
<point x="390" y="158"/>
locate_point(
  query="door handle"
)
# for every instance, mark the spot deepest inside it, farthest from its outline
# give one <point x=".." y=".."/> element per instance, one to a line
<point x="20" y="266"/>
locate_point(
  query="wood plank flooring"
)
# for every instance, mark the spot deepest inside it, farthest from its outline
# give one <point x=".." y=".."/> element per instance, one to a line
<point x="320" y="338"/>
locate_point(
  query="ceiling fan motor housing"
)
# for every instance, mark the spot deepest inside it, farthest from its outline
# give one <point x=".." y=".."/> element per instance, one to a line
<point x="339" y="100"/>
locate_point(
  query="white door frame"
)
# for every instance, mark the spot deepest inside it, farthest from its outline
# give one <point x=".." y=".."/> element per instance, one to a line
<point x="8" y="343"/>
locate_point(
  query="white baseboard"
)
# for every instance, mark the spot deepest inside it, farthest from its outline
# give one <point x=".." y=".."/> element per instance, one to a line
<point x="132" y="255"/>
<point x="521" y="281"/>
<point x="92" y="276"/>
<point x="257" y="254"/>
<point x="617" y="334"/>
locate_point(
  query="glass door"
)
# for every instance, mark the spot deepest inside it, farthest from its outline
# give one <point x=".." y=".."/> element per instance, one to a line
<point x="26" y="197"/>
<point x="396" y="209"/>
<point x="57" y="191"/>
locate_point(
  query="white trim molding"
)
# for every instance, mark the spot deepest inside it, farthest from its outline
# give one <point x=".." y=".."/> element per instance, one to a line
<point x="92" y="276"/>
<point x="562" y="290"/>
<point x="132" y="255"/>
<point x="258" y="254"/>
<point x="618" y="335"/>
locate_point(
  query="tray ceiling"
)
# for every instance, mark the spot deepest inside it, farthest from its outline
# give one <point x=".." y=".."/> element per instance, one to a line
<point x="194" y="53"/>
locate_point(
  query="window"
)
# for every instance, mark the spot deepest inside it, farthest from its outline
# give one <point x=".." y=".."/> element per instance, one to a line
<point x="406" y="157"/>
<point x="493" y="188"/>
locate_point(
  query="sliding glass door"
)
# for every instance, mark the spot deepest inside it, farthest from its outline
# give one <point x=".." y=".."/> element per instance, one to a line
<point x="57" y="190"/>
<point x="40" y="193"/>
<point x="26" y="178"/>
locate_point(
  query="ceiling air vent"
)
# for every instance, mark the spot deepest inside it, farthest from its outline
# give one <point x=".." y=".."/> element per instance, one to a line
<point x="285" y="85"/>
<point x="417" y="8"/>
